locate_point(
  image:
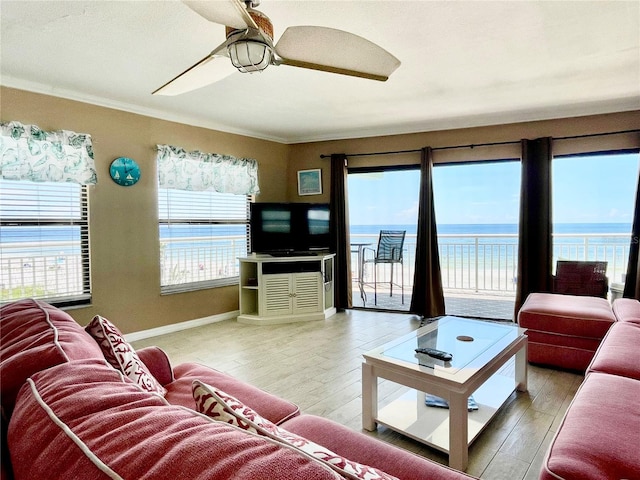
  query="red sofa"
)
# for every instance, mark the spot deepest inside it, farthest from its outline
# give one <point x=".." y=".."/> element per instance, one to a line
<point x="599" y="437"/>
<point x="67" y="413"/>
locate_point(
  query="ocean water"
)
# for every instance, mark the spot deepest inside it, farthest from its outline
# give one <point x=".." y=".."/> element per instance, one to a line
<point x="44" y="234"/>
<point x="606" y="241"/>
<point x="22" y="238"/>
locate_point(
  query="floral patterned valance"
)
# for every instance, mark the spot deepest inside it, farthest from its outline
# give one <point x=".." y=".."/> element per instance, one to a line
<point x="29" y="153"/>
<point x="197" y="171"/>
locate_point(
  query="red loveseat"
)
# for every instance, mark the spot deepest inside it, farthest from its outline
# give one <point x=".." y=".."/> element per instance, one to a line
<point x="67" y="413"/>
<point x="599" y="437"/>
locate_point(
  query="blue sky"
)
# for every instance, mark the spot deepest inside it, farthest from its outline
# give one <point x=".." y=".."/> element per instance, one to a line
<point x="588" y="189"/>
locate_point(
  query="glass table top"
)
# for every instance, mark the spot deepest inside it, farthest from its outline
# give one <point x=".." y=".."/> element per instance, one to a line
<point x="464" y="339"/>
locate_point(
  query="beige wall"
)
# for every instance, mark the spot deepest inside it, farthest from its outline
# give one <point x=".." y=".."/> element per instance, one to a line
<point x="123" y="221"/>
<point x="307" y="155"/>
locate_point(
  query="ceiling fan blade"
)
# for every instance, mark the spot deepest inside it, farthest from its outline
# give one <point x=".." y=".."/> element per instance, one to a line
<point x="210" y="69"/>
<point x="231" y="13"/>
<point x="336" y="51"/>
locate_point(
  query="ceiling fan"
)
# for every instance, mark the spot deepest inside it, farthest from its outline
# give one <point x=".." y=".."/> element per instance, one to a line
<point x="249" y="48"/>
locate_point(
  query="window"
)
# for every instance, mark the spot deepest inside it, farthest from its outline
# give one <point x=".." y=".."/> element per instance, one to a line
<point x="202" y="234"/>
<point x="203" y="204"/>
<point x="593" y="206"/>
<point x="44" y="242"/>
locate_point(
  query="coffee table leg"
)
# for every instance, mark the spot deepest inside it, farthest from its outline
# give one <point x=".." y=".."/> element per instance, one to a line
<point x="458" y="432"/>
<point x="521" y="369"/>
<point x="369" y="398"/>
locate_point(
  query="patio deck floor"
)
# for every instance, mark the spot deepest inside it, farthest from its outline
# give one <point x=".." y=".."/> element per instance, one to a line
<point x="490" y="305"/>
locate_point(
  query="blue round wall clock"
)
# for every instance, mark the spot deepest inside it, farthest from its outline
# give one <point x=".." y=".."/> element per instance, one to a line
<point x="125" y="171"/>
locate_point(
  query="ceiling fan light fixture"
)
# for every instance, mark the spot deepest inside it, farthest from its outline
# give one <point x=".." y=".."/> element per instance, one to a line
<point x="250" y="47"/>
<point x="250" y="55"/>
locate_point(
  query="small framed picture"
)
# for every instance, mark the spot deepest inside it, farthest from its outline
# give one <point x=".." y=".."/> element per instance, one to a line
<point x="310" y="182"/>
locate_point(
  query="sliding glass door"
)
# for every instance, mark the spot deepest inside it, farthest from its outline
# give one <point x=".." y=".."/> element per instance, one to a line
<point x="477" y="214"/>
<point x="382" y="200"/>
<point x="477" y="211"/>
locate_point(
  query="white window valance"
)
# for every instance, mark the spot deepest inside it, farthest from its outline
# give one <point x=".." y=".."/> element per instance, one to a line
<point x="29" y="153"/>
<point x="197" y="171"/>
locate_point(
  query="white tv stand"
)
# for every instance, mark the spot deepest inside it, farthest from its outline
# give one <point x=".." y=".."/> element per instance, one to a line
<point x="286" y="289"/>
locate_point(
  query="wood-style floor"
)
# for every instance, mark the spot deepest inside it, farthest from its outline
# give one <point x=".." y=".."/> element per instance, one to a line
<point x="318" y="366"/>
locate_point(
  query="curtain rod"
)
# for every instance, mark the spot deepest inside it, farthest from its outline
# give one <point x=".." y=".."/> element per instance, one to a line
<point x="587" y="135"/>
<point x="418" y="150"/>
<point x="473" y="145"/>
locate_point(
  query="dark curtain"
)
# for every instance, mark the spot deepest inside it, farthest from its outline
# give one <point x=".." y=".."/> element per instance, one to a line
<point x="339" y="229"/>
<point x="632" y="283"/>
<point x="534" y="240"/>
<point x="427" y="298"/>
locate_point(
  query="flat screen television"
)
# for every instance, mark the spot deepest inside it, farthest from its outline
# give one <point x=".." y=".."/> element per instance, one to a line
<point x="289" y="228"/>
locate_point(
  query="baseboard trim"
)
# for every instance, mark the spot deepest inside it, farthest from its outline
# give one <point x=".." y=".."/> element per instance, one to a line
<point x="177" y="327"/>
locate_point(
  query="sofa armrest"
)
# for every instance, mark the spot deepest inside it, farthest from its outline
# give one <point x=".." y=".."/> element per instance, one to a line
<point x="158" y="363"/>
<point x="368" y="450"/>
<point x="627" y="310"/>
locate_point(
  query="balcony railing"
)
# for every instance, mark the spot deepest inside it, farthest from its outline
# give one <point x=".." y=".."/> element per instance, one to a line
<point x="488" y="263"/>
<point x="476" y="263"/>
<point x="189" y="260"/>
<point x="43" y="275"/>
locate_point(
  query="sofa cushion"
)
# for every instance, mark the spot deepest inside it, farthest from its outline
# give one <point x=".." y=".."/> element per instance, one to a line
<point x="85" y="420"/>
<point x="564" y="351"/>
<point x="588" y="317"/>
<point x="618" y="353"/>
<point x="370" y="451"/>
<point x="34" y="336"/>
<point x="627" y="310"/>
<point x="121" y="355"/>
<point x="570" y="341"/>
<point x="595" y="439"/>
<point x="225" y="408"/>
<point x="271" y="407"/>
<point x="560" y="356"/>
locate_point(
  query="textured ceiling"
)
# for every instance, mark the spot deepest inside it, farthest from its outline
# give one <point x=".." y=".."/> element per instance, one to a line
<point x="463" y="63"/>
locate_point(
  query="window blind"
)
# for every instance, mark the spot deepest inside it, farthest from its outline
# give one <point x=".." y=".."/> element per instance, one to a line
<point x="202" y="234"/>
<point x="44" y="242"/>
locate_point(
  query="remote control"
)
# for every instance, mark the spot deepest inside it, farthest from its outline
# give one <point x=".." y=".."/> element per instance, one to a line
<point x="439" y="354"/>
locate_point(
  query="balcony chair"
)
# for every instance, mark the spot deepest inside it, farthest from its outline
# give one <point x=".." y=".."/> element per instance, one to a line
<point x="389" y="252"/>
<point x="581" y="278"/>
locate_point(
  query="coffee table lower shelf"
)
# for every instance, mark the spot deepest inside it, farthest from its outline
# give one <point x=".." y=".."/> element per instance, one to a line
<point x="410" y="416"/>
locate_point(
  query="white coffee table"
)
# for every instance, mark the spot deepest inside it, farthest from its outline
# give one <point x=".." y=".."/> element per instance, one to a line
<point x="474" y="369"/>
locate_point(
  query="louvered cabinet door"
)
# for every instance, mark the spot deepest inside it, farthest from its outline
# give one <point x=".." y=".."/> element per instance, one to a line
<point x="277" y="296"/>
<point x="281" y="290"/>
<point x="307" y="294"/>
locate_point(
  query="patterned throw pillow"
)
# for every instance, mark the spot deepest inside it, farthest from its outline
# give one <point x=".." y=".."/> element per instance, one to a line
<point x="223" y="407"/>
<point x="121" y="355"/>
